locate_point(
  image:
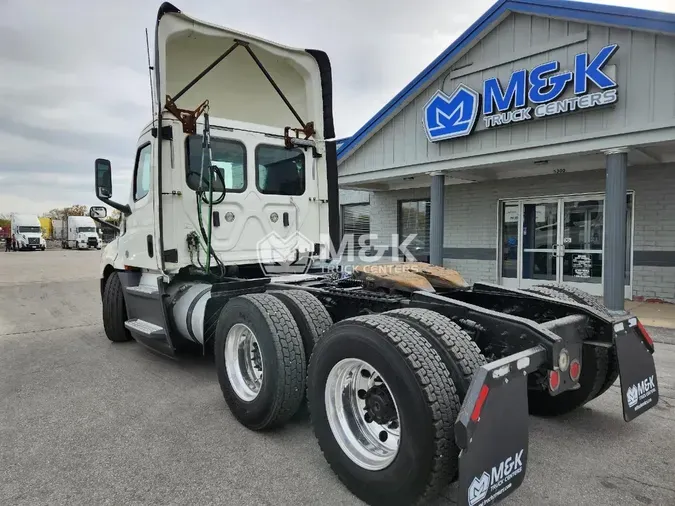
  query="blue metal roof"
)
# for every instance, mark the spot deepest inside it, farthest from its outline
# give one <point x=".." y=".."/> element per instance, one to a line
<point x="577" y="11"/>
<point x="340" y="142"/>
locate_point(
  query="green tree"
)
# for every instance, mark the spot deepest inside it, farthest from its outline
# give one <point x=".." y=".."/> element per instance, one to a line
<point x="114" y="218"/>
<point x="63" y="212"/>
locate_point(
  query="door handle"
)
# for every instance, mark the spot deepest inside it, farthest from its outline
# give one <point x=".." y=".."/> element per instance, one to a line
<point x="286" y="220"/>
<point x="150" y="248"/>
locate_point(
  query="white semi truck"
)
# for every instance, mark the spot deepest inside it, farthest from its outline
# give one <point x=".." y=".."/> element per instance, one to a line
<point x="27" y="232"/>
<point x="413" y="378"/>
<point x="82" y="233"/>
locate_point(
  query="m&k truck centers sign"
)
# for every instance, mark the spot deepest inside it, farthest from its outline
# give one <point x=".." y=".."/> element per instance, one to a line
<point x="528" y="95"/>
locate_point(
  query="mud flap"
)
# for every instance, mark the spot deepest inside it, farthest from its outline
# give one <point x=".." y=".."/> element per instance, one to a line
<point x="492" y="429"/>
<point x="637" y="372"/>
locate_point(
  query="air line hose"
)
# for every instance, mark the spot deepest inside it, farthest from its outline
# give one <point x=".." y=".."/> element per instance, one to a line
<point x="213" y="171"/>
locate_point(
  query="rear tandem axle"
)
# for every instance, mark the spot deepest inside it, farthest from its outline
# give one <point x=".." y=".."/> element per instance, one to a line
<point x="409" y="387"/>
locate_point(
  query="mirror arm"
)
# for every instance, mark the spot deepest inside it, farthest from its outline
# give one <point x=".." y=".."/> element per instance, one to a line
<point x="106" y="224"/>
<point x="123" y="208"/>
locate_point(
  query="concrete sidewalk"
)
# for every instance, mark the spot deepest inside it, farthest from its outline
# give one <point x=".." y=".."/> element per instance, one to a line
<point x="653" y="314"/>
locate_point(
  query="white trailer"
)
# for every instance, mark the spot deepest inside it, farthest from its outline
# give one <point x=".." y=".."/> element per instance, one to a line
<point x="82" y="233"/>
<point x="59" y="229"/>
<point x="27" y="233"/>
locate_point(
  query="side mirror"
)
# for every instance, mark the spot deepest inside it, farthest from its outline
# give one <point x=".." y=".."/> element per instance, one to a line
<point x="99" y="212"/>
<point x="103" y="182"/>
<point x="103" y="179"/>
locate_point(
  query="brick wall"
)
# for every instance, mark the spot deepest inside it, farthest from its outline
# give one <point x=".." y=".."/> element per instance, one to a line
<point x="471" y="218"/>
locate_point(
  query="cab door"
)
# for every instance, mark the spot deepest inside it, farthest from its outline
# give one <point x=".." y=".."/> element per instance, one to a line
<point x="137" y="244"/>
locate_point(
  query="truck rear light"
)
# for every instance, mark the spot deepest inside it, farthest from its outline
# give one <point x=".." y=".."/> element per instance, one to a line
<point x="475" y="414"/>
<point x="563" y="360"/>
<point x="575" y="370"/>
<point x="553" y="380"/>
<point x="645" y="334"/>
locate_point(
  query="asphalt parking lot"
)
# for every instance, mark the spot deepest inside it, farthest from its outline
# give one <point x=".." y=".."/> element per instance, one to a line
<point x="85" y="421"/>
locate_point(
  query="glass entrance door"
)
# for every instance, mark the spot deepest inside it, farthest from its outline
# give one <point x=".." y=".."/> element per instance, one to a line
<point x="557" y="240"/>
<point x="540" y="243"/>
<point x="581" y="246"/>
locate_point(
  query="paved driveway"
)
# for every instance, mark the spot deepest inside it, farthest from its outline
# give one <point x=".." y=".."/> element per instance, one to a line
<point x="84" y="421"/>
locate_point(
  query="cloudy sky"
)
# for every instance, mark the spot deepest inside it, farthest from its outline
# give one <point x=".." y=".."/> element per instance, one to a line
<point x="74" y="81"/>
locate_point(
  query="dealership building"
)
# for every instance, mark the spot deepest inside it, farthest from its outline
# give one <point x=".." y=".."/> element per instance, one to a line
<point x="539" y="147"/>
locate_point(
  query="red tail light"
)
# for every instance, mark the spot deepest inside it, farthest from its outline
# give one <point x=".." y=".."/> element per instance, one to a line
<point x="553" y="380"/>
<point x="575" y="370"/>
<point x="475" y="414"/>
<point x="645" y="334"/>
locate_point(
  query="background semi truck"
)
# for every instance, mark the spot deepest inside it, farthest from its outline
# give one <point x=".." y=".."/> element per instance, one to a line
<point x="27" y="232"/>
<point x="82" y="233"/>
<point x="413" y="378"/>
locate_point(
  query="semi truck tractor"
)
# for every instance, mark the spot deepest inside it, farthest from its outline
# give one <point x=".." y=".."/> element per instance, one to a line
<point x="82" y="233"/>
<point x="27" y="233"/>
<point x="414" y="379"/>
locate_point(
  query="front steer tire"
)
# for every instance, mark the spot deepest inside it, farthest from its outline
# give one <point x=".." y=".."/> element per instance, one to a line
<point x="282" y="355"/>
<point x="115" y="310"/>
<point x="425" y="397"/>
<point x="594" y="370"/>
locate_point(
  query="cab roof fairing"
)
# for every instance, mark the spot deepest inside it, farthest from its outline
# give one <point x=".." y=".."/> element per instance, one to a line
<point x="236" y="88"/>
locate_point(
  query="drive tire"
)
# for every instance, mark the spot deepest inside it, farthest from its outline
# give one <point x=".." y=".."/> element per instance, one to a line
<point x="588" y="300"/>
<point x="283" y="360"/>
<point x="424" y="395"/>
<point x="309" y="313"/>
<point x="460" y="354"/>
<point x="115" y="310"/>
<point x="594" y="369"/>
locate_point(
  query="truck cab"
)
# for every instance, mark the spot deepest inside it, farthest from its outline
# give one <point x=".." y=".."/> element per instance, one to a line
<point x="82" y="233"/>
<point x="234" y="164"/>
<point x="27" y="232"/>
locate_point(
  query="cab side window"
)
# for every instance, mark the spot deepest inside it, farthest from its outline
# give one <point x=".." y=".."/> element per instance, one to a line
<point x="142" y="172"/>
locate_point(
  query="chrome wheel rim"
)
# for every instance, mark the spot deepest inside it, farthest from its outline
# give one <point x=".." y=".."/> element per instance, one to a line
<point x="362" y="414"/>
<point x="243" y="362"/>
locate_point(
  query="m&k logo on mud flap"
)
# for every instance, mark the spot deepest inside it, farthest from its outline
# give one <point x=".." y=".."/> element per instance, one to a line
<point x="638" y="395"/>
<point x="487" y="487"/>
<point x="527" y="95"/>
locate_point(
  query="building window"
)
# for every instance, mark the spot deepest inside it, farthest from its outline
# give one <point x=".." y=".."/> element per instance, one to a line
<point x="356" y="221"/>
<point x="414" y="218"/>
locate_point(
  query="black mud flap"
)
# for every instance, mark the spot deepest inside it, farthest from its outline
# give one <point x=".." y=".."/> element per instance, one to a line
<point x="492" y="429"/>
<point x="634" y="350"/>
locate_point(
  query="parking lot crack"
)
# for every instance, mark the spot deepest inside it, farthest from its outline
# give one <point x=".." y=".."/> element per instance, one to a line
<point x="47" y="330"/>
